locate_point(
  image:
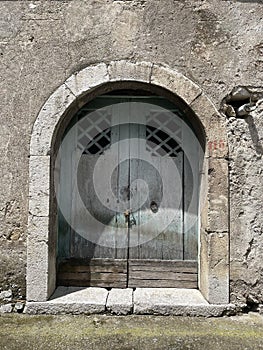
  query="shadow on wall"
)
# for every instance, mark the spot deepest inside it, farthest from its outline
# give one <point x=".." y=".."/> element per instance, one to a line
<point x="254" y="135"/>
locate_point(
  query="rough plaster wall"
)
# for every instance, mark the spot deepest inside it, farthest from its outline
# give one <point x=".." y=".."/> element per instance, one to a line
<point x="246" y="225"/>
<point x="218" y="44"/>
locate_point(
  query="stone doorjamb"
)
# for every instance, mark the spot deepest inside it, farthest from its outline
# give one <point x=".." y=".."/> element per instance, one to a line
<point x="214" y="230"/>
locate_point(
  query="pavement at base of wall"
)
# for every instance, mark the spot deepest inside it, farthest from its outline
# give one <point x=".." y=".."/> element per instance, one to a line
<point x="40" y="332"/>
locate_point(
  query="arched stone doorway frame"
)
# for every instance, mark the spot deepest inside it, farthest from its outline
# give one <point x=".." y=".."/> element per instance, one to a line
<point x="67" y="99"/>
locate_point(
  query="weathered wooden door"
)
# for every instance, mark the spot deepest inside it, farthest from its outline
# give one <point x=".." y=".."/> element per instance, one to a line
<point x="131" y="179"/>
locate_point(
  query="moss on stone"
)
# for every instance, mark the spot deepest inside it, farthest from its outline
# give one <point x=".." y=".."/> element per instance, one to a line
<point x="130" y="332"/>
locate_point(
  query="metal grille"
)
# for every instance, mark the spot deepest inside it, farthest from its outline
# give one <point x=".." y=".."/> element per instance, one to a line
<point x="94" y="132"/>
<point x="163" y="134"/>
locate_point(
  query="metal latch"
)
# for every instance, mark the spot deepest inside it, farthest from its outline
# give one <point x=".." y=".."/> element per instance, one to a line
<point x="129" y="218"/>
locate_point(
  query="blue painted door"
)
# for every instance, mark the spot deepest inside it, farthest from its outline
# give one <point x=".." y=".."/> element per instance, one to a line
<point x="131" y="180"/>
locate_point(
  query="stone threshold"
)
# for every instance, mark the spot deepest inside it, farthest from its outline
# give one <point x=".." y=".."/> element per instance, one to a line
<point x="141" y="301"/>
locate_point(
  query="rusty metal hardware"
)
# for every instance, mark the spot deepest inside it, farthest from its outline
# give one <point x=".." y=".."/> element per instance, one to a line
<point x="128" y="219"/>
<point x="127" y="214"/>
<point x="154" y="207"/>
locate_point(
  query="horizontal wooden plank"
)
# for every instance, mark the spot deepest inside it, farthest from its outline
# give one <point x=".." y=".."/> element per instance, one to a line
<point x="162" y="276"/>
<point x="103" y="284"/>
<point x="163" y="269"/>
<point x="93" y="266"/>
<point x="163" y="263"/>
<point x="109" y="277"/>
<point x="94" y="262"/>
<point x="87" y="268"/>
<point x="164" y="284"/>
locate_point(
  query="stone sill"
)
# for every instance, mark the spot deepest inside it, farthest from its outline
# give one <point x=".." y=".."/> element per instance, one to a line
<point x="141" y="301"/>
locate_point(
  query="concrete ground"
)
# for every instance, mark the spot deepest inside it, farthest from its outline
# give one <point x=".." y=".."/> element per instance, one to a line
<point x="19" y="331"/>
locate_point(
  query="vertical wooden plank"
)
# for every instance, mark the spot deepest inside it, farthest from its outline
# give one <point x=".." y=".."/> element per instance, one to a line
<point x="172" y="235"/>
<point x="137" y="142"/>
<point x="82" y="247"/>
<point x="137" y="146"/>
<point x="191" y="149"/>
<point x="65" y="195"/>
<point x="120" y="136"/>
<point x="150" y="244"/>
<point x="102" y="211"/>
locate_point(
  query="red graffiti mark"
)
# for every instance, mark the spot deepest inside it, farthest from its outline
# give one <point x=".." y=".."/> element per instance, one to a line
<point x="216" y="145"/>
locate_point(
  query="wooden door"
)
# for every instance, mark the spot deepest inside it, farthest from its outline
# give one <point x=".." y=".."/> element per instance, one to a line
<point x="142" y="241"/>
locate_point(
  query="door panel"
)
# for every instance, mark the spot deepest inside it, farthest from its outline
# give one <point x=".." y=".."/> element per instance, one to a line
<point x="93" y="273"/>
<point x="161" y="215"/>
<point x="162" y="273"/>
<point x="109" y="239"/>
<point x="143" y="216"/>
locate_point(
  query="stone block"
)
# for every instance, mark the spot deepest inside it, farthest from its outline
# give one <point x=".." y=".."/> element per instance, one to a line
<point x="218" y="265"/>
<point x="214" y="125"/>
<point x="130" y="71"/>
<point x="203" y="193"/>
<point x="39" y="185"/>
<point x="120" y="301"/>
<point x="165" y="301"/>
<point x="6" y="295"/>
<point x="88" y="78"/>
<point x="214" y="267"/>
<point x="72" y="300"/>
<point x="176" y="82"/>
<point x="218" y="195"/>
<point x="19" y="307"/>
<point x="55" y="107"/>
<point x="203" y="265"/>
<point x="6" y="308"/>
<point x="37" y="271"/>
<point x="177" y="302"/>
<point x="38" y="229"/>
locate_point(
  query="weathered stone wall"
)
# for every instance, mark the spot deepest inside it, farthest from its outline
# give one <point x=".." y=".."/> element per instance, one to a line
<point x="217" y="44"/>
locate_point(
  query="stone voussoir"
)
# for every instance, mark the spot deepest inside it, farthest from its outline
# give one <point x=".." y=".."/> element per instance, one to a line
<point x="50" y="114"/>
<point x="86" y="79"/>
<point x="186" y="89"/>
<point x="214" y="125"/>
<point x="125" y="70"/>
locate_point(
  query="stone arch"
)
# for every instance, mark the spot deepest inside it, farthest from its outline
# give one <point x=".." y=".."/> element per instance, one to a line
<point x="69" y="97"/>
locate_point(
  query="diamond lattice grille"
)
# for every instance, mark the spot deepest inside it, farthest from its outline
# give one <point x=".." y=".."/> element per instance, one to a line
<point x="94" y="133"/>
<point x="163" y="134"/>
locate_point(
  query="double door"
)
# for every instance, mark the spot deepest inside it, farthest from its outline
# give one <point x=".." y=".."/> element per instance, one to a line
<point x="130" y="219"/>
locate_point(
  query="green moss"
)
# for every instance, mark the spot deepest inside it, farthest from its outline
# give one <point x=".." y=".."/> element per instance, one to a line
<point x="142" y="332"/>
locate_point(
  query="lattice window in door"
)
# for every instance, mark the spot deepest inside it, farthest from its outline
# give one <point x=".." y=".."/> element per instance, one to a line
<point x="163" y="134"/>
<point x="94" y="132"/>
